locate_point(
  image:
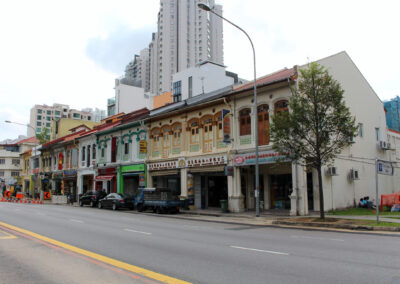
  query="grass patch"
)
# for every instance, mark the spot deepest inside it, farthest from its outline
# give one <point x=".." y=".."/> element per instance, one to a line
<point x="380" y="224"/>
<point x="361" y="211"/>
<point x="341" y="221"/>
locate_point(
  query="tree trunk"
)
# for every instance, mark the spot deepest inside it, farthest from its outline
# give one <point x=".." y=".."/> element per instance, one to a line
<point x="321" y="194"/>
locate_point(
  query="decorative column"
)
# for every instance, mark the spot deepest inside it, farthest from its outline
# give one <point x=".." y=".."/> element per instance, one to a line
<point x="184" y="191"/>
<point x="236" y="200"/>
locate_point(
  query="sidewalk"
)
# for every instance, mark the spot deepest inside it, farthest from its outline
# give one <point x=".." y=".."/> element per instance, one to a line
<point x="281" y="218"/>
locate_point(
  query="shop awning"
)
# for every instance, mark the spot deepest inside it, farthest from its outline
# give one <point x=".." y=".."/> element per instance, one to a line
<point x="104" y="178"/>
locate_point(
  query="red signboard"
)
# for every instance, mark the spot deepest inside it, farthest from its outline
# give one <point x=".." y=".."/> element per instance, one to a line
<point x="60" y="161"/>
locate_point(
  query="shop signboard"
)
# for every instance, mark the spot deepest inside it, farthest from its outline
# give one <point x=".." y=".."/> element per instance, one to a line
<point x="133" y="168"/>
<point x="266" y="157"/>
<point x="60" y="161"/>
<point x="163" y="166"/>
<point x="69" y="173"/>
<point x="206" y="161"/>
<point x="226" y="122"/>
<point x="143" y="147"/>
<point x="141" y="180"/>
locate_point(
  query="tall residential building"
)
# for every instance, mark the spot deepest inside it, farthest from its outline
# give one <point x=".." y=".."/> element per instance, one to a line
<point x="42" y="116"/>
<point x="186" y="35"/>
<point x="138" y="70"/>
<point x="98" y="114"/>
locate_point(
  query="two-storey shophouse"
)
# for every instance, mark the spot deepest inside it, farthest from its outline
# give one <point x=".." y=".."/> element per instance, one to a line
<point x="121" y="154"/>
<point x="189" y="148"/>
<point x="286" y="185"/>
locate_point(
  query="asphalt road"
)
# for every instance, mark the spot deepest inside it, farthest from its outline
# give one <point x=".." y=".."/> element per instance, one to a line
<point x="206" y="252"/>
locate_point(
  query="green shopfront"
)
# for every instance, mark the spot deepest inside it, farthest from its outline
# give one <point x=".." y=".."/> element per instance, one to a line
<point x="131" y="177"/>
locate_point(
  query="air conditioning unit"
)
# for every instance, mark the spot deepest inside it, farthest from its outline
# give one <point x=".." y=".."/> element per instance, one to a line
<point x="383" y="145"/>
<point x="388" y="145"/>
<point x="332" y="171"/>
<point x="93" y="163"/>
<point x="354" y="174"/>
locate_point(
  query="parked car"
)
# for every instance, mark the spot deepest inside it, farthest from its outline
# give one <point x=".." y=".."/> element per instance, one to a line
<point x="91" y="198"/>
<point x="116" y="201"/>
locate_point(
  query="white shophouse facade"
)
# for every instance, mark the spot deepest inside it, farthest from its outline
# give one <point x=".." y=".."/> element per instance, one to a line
<point x="287" y="186"/>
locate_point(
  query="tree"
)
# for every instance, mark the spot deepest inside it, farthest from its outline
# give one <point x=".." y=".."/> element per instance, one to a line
<point x="318" y="124"/>
<point x="43" y="136"/>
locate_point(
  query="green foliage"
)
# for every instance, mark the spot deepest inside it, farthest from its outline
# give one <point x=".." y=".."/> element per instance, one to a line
<point x="318" y="125"/>
<point x="44" y="136"/>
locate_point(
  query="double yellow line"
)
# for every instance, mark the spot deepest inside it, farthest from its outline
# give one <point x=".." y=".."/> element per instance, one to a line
<point x="111" y="261"/>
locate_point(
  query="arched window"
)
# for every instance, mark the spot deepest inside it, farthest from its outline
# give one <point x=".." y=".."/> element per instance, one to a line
<point x="281" y="106"/>
<point x="207" y="133"/>
<point x="177" y="132"/>
<point x="166" y="130"/>
<point x="263" y="124"/>
<point x="88" y="156"/>
<point x="83" y="153"/>
<point x="193" y="126"/>
<point x="219" y="127"/>
<point x="155" y="136"/>
<point x="244" y="122"/>
<point x="94" y="151"/>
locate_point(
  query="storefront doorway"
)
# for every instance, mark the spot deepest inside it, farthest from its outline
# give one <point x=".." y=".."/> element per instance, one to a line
<point x="281" y="188"/>
<point x="217" y="190"/>
<point x="131" y="183"/>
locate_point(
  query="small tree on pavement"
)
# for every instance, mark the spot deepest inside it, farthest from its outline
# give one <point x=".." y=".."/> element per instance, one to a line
<point x="318" y="125"/>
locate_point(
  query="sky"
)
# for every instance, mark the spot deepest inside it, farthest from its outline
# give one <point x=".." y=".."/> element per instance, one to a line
<point x="70" y="52"/>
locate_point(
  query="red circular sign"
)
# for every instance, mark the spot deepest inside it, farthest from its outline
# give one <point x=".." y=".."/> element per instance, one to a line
<point x="239" y="160"/>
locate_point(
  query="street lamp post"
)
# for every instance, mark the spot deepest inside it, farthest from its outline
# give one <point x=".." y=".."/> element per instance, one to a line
<point x="256" y="193"/>
<point x="34" y="130"/>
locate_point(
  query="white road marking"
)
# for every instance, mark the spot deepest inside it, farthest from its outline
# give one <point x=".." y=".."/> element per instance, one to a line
<point x="74" y="220"/>
<point x="140" y="232"/>
<point x="316" y="238"/>
<point x="261" y="250"/>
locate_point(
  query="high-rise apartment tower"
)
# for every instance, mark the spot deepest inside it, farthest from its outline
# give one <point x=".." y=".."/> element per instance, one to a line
<point x="186" y="36"/>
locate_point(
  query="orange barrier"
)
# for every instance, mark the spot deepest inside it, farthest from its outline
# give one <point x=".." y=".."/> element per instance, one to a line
<point x="390" y="199"/>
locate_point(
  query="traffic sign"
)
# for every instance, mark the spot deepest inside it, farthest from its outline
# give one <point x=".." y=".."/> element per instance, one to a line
<point x="47" y="195"/>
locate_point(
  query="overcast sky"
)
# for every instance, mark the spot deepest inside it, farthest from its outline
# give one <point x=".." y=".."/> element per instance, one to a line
<point x="70" y="52"/>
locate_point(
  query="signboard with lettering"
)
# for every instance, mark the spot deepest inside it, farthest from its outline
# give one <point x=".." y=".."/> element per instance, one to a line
<point x="226" y="122"/>
<point x="142" y="146"/>
<point x="163" y="166"/>
<point x="385" y="168"/>
<point x="266" y="157"/>
<point x="206" y="161"/>
<point x="60" y="161"/>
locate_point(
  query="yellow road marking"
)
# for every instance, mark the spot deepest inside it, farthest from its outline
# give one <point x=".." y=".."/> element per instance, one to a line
<point x="108" y="260"/>
<point x="8" y="236"/>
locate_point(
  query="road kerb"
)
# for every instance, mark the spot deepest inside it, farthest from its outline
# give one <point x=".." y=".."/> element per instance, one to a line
<point x="108" y="260"/>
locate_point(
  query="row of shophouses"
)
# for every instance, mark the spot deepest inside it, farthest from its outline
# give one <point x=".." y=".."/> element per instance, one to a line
<point x="203" y="148"/>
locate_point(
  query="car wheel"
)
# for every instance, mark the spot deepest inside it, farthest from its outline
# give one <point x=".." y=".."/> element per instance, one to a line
<point x="140" y="207"/>
<point x="114" y="206"/>
<point x="80" y="203"/>
<point x="158" y="210"/>
<point x="100" y="205"/>
<point x="91" y="203"/>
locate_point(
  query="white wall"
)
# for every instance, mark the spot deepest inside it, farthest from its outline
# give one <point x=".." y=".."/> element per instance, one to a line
<point x="129" y="98"/>
<point x="365" y="105"/>
<point x="206" y="77"/>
